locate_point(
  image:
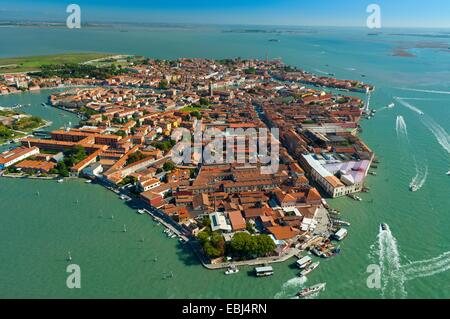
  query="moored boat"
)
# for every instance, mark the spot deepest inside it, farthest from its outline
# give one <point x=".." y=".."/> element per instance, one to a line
<point x="340" y="234"/>
<point x="232" y="270"/>
<point x="304" y="262"/>
<point x="264" y="271"/>
<point x="309" y="269"/>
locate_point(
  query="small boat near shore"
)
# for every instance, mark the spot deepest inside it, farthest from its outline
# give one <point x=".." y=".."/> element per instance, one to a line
<point x="61" y="180"/>
<point x="232" y="270"/>
<point x="141" y="211"/>
<point x="311" y="290"/>
<point x="354" y="197"/>
<point x="341" y="223"/>
<point x="308" y="269"/>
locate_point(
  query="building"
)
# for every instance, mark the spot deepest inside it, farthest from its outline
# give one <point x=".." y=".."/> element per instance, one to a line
<point x="146" y="184"/>
<point x="30" y="166"/>
<point x="219" y="222"/>
<point x="16" y="155"/>
<point x="236" y="220"/>
<point x="338" y="178"/>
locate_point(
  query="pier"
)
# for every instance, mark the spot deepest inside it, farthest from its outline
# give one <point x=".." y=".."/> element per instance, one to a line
<point x="168" y="225"/>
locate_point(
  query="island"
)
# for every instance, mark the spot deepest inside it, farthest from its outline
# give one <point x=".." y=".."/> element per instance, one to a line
<point x="15" y="125"/>
<point x="231" y="212"/>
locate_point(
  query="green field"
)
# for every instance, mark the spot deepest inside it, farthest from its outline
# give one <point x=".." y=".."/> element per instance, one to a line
<point x="34" y="63"/>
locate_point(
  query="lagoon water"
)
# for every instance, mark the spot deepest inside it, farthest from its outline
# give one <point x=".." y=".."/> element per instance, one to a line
<point x="37" y="231"/>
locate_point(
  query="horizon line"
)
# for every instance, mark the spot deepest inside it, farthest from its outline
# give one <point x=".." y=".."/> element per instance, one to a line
<point x="93" y="22"/>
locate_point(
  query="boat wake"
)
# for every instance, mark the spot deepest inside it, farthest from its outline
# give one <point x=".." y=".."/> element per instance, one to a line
<point x="426" y="91"/>
<point x="291" y="287"/>
<point x="419" y="180"/>
<point x="429" y="267"/>
<point x="438" y="131"/>
<point x="409" y="106"/>
<point x="400" y="126"/>
<point x="389" y="260"/>
<point x="393" y="274"/>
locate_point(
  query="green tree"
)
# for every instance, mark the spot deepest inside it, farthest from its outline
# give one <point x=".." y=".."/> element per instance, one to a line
<point x="163" y="84"/>
<point x="168" y="166"/>
<point x="196" y="114"/>
<point x="137" y="156"/>
<point x="246" y="245"/>
<point x="204" y="101"/>
<point x="265" y="245"/>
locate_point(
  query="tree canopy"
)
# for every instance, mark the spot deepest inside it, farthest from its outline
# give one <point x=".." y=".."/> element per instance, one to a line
<point x="245" y="245"/>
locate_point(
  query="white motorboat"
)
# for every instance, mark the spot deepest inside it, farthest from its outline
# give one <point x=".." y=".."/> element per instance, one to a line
<point x="311" y="290"/>
<point x="309" y="269"/>
<point x="232" y="270"/>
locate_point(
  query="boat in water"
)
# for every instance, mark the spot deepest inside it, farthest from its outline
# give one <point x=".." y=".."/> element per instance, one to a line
<point x="232" y="270"/>
<point x="309" y="269"/>
<point x="311" y="290"/>
<point x="141" y="211"/>
<point x="413" y="188"/>
<point x="264" y="271"/>
<point x="61" y="180"/>
<point x="448" y="173"/>
<point x="384" y="226"/>
<point x="390" y="106"/>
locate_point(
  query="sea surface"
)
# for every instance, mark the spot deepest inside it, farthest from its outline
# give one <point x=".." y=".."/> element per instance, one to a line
<point x="41" y="221"/>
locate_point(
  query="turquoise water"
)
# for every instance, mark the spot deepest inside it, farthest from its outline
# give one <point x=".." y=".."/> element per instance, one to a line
<point x="39" y="230"/>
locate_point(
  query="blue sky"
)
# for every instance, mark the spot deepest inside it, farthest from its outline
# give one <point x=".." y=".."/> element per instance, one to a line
<point x="395" y="13"/>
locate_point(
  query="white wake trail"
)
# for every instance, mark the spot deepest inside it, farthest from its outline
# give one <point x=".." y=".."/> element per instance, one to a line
<point x="438" y="131"/>
<point x="400" y="126"/>
<point x="389" y="258"/>
<point x="421" y="177"/>
<point x="426" y="91"/>
<point x="426" y="268"/>
<point x="409" y="106"/>
<point x="291" y="287"/>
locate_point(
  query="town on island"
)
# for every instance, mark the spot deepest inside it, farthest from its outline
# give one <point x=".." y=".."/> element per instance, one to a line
<point x="230" y="213"/>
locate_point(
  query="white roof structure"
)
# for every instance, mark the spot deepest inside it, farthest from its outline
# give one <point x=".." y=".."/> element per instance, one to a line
<point x="315" y="165"/>
<point x="348" y="179"/>
<point x="304" y="260"/>
<point x="308" y="224"/>
<point x="341" y="233"/>
<point x="219" y="222"/>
